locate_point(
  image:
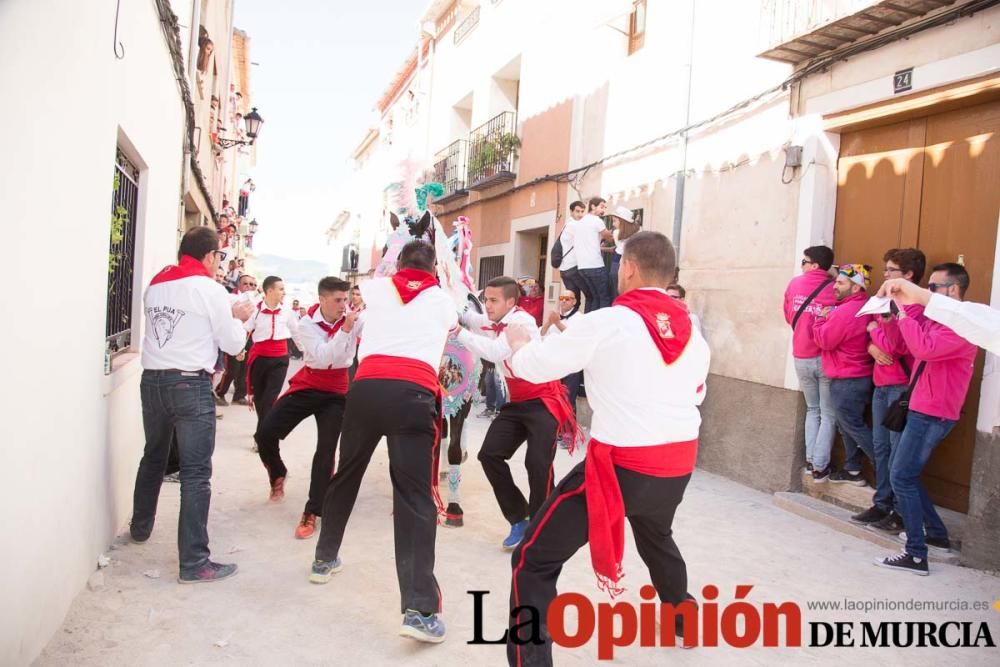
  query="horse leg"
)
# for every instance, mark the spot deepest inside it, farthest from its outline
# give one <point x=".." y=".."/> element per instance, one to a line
<point x="456" y="455"/>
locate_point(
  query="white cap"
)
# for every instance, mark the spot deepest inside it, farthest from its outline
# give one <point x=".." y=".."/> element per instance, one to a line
<point x="623" y="213"/>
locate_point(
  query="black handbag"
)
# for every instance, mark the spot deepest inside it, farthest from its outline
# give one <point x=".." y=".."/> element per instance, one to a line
<point x="895" y="416"/>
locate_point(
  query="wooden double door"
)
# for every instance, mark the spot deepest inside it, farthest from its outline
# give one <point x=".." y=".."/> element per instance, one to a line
<point x="930" y="182"/>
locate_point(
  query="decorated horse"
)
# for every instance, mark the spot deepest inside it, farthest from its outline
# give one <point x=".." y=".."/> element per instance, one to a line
<point x="460" y="369"/>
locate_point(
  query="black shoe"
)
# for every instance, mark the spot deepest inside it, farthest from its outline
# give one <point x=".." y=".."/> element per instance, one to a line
<point x="809" y="466"/>
<point x="904" y="562"/>
<point x="453" y="516"/>
<point x="845" y="477"/>
<point x="892" y="523"/>
<point x="871" y="515"/>
<point x="942" y="544"/>
<point x="220" y="400"/>
<point x="820" y="476"/>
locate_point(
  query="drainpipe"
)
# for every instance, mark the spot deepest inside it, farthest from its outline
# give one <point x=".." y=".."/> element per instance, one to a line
<point x="682" y="174"/>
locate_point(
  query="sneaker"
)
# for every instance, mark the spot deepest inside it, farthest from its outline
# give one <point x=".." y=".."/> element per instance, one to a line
<point x="277" y="490"/>
<point x="218" y="413"/>
<point x="904" y="562"/>
<point x="453" y="516"/>
<point x="941" y="544"/>
<point x="516" y="535"/>
<point x="809" y="466"/>
<point x="306" y="527"/>
<point x="173" y="478"/>
<point x="136" y="536"/>
<point x="209" y="572"/>
<point x="220" y="400"/>
<point x="820" y="476"/>
<point x="846" y="477"/>
<point x="423" y="628"/>
<point x="323" y="570"/>
<point x="892" y="523"/>
<point x="871" y="515"/>
<point x="487" y="413"/>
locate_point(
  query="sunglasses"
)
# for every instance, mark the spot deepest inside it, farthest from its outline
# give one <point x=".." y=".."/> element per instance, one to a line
<point x="807" y="261"/>
<point x="219" y="254"/>
<point x="567" y="298"/>
<point x="934" y="287"/>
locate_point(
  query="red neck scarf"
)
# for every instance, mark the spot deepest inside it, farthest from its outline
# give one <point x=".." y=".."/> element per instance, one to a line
<point x="495" y="327"/>
<point x="187" y="267"/>
<point x="666" y="319"/>
<point x="411" y="282"/>
<point x="330" y="329"/>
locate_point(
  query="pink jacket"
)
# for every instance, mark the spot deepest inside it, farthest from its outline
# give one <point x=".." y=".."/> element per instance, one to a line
<point x="843" y="340"/>
<point x="888" y="339"/>
<point x="944" y="384"/>
<point x="798" y="290"/>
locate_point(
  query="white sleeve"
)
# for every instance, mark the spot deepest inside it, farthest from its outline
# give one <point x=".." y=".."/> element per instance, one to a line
<point x="473" y="320"/>
<point x="495" y="350"/>
<point x="556" y="357"/>
<point x="226" y="329"/>
<point x="322" y="352"/>
<point x="977" y="323"/>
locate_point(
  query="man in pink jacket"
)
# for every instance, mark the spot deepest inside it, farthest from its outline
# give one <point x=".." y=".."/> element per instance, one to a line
<point x="805" y="295"/>
<point x="893" y="368"/>
<point x="936" y="404"/>
<point x="843" y="339"/>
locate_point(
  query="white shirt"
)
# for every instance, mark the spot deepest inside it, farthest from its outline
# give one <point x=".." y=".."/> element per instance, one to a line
<point x="417" y="330"/>
<point x="637" y="399"/>
<point x="975" y="322"/>
<point x="569" y="258"/>
<point x="619" y="245"/>
<point x="187" y="321"/>
<point x="319" y="350"/>
<point x="260" y="323"/>
<point x="586" y="234"/>
<point x="566" y="321"/>
<point x="487" y="344"/>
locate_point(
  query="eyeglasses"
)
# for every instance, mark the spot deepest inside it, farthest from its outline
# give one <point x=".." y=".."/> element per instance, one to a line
<point x="218" y="253"/>
<point x="807" y="261"/>
<point x="892" y="269"/>
<point x="934" y="287"/>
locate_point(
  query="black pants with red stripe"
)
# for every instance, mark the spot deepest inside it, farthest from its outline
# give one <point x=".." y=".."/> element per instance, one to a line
<point x="267" y="377"/>
<point x="560" y="529"/>
<point x="285" y="415"/>
<point x="406" y="414"/>
<point x="519" y="422"/>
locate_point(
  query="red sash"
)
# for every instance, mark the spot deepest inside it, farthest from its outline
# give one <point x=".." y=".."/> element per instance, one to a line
<point x="387" y="367"/>
<point x="187" y="267"/>
<point x="411" y="282"/>
<point x="330" y="380"/>
<point x="553" y="396"/>
<point x="666" y="319"/>
<point x="605" y="507"/>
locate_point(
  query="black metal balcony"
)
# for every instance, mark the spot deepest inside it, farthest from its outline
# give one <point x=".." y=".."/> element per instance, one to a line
<point x="493" y="150"/>
<point x="450" y="168"/>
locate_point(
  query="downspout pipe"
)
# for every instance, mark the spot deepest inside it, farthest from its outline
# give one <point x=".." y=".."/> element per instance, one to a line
<point x="682" y="174"/>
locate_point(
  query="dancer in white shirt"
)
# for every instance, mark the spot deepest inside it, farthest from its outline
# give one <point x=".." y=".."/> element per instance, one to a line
<point x="270" y="328"/>
<point x="188" y="319"/>
<point x="327" y="339"/>
<point x="645" y="368"/>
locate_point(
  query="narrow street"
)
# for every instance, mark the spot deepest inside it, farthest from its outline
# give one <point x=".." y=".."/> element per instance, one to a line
<point x="270" y="614"/>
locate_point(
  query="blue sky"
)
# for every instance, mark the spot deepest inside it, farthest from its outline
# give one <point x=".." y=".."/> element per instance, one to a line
<point x="322" y="65"/>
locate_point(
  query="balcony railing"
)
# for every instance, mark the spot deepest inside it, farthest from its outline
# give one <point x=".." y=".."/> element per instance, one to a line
<point x="492" y="151"/>
<point x="450" y="168"/>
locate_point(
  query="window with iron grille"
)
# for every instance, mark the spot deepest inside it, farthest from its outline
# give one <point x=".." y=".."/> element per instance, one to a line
<point x="121" y="254"/>
<point x="489" y="268"/>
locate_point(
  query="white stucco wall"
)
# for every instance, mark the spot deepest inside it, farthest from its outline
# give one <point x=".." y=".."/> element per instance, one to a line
<point x="72" y="437"/>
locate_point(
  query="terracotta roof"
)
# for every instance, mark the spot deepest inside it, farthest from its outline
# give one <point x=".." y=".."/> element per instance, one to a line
<point x="399" y="81"/>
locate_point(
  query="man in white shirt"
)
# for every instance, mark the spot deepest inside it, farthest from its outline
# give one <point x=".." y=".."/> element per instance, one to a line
<point x="188" y="319"/>
<point x="646" y="369"/>
<point x="587" y="233"/>
<point x="270" y="327"/>
<point x="396" y="395"/>
<point x="536" y="413"/>
<point x="975" y="322"/>
<point x="569" y="273"/>
<point x="327" y="340"/>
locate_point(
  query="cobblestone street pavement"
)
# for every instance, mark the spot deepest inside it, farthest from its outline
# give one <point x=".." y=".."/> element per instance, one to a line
<point x="270" y="614"/>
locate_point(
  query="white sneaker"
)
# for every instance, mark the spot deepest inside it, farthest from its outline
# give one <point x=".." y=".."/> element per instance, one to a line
<point x="936" y="544"/>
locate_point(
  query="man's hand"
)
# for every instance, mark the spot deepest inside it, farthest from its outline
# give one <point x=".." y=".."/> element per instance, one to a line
<point x="349" y="320"/>
<point x="241" y="356"/>
<point x="824" y="311"/>
<point x="553" y="318"/>
<point x="517" y="336"/>
<point x="872" y="326"/>
<point x="880" y="357"/>
<point x="904" y="293"/>
<point x="242" y="310"/>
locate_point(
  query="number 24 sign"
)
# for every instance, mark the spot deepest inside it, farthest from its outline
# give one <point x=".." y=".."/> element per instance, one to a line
<point x="902" y="81"/>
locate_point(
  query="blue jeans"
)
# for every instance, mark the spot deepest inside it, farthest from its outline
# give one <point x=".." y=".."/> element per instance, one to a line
<point x="883" y="442"/>
<point x="921" y="435"/>
<point x="177" y="403"/>
<point x="850" y="396"/>
<point x="821" y="418"/>
<point x="600" y="286"/>
<point x="495" y="398"/>
<point x="616" y="261"/>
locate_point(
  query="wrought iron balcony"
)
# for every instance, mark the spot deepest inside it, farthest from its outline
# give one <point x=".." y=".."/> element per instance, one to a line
<point x="493" y="150"/>
<point x="450" y="169"/>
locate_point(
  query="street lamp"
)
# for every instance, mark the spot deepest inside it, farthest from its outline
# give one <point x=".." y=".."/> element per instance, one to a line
<point x="253" y="226"/>
<point x="253" y="122"/>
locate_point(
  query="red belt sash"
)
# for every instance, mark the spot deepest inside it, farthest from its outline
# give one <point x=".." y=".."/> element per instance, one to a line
<point x="553" y="396"/>
<point x="264" y="348"/>
<point x="387" y="367"/>
<point x="605" y="506"/>
<point x="330" y="380"/>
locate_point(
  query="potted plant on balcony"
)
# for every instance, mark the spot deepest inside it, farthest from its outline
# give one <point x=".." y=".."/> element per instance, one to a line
<point x="488" y="156"/>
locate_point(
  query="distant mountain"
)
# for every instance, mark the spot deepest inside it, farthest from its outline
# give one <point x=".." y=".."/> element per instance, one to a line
<point x="290" y="270"/>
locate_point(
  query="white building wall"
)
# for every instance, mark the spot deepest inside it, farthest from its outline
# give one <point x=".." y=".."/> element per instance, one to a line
<point x="72" y="437"/>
